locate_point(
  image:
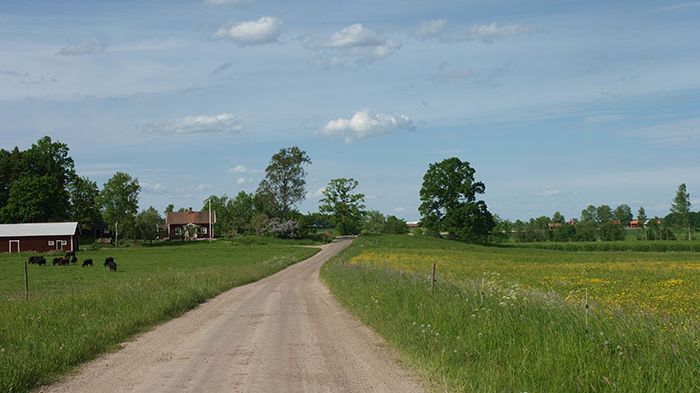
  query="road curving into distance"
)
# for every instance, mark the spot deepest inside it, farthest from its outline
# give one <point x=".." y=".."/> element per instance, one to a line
<point x="284" y="333"/>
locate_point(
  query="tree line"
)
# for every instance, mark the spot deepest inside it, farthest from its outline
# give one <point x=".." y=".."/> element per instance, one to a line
<point x="40" y="184"/>
<point x="604" y="223"/>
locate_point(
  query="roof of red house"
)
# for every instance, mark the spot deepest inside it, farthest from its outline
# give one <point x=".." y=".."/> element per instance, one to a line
<point x="189" y="217"/>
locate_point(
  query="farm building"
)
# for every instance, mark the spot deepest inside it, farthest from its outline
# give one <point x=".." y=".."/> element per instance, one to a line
<point x="413" y="224"/>
<point x="39" y="237"/>
<point x="190" y="224"/>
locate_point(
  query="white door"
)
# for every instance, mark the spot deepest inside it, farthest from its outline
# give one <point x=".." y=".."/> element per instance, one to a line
<point x="60" y="244"/>
<point x="14" y="246"/>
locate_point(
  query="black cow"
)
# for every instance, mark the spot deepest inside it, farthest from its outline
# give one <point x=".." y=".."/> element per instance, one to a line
<point x="56" y="261"/>
<point x="87" y="262"/>
<point x="72" y="256"/>
<point x="41" y="261"/>
<point x="109" y="262"/>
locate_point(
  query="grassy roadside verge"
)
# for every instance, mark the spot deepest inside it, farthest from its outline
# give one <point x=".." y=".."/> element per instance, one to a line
<point x="476" y="334"/>
<point x="76" y="313"/>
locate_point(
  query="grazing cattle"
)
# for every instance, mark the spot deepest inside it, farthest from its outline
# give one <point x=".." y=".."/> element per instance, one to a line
<point x="41" y="261"/>
<point x="34" y="259"/>
<point x="71" y="255"/>
<point x="87" y="262"/>
<point x="56" y="261"/>
<point x="109" y="262"/>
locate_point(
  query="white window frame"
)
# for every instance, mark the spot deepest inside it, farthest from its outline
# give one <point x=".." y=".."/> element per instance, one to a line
<point x="19" y="248"/>
<point x="51" y="243"/>
<point x="61" y="244"/>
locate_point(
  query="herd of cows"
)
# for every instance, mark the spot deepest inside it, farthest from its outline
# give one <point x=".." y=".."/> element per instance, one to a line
<point x="71" y="258"/>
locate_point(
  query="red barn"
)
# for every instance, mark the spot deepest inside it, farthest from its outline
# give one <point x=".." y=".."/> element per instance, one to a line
<point x="39" y="237"/>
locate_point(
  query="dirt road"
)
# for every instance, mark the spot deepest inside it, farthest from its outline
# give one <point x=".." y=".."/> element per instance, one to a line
<point x="285" y="333"/>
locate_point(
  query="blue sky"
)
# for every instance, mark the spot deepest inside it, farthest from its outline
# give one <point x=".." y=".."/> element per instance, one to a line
<point x="556" y="104"/>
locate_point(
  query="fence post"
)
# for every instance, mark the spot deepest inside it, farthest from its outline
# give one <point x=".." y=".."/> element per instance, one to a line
<point x="26" y="280"/>
<point x="586" y="309"/>
<point x="432" y="278"/>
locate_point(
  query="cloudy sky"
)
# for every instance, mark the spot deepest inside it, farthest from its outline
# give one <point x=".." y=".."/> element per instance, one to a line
<point x="557" y="104"/>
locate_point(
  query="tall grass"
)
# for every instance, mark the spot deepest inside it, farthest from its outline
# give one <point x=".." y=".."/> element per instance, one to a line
<point x="479" y="333"/>
<point x="76" y="313"/>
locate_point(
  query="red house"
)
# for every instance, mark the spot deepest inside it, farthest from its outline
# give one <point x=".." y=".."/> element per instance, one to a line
<point x="39" y="237"/>
<point x="190" y="225"/>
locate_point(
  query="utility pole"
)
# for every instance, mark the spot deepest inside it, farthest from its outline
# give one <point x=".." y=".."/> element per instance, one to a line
<point x="211" y="234"/>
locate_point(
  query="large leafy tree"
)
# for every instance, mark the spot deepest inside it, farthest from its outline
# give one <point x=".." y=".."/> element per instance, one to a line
<point x="48" y="168"/>
<point x="623" y="213"/>
<point x="680" y="208"/>
<point x="284" y="184"/>
<point x="242" y="210"/>
<point x="589" y="214"/>
<point x="345" y="207"/>
<point x="84" y="197"/>
<point x="449" y="201"/>
<point x="119" y="200"/>
<point x="29" y="199"/>
<point x="148" y="223"/>
<point x="604" y="215"/>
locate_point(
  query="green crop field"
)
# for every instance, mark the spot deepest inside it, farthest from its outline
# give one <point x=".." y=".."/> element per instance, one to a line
<point x="508" y="319"/>
<point x="75" y="313"/>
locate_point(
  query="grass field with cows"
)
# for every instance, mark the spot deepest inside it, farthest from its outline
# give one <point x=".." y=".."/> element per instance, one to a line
<point x="75" y="313"/>
<point x="514" y="319"/>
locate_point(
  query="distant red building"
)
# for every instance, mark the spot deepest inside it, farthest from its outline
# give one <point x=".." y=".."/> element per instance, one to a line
<point x="190" y="225"/>
<point x="39" y="237"/>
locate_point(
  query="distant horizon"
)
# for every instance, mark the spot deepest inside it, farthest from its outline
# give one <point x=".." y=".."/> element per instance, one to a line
<point x="556" y="106"/>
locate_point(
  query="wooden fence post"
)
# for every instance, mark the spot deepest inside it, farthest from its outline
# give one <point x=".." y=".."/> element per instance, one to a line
<point x="432" y="278"/>
<point x="26" y="280"/>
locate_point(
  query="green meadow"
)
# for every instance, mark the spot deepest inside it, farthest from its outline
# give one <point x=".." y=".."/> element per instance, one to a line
<point x="508" y="319"/>
<point x="75" y="313"/>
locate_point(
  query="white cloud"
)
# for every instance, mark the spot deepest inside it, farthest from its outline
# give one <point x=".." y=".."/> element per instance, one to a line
<point x="85" y="48"/>
<point x="431" y="28"/>
<point x="224" y="123"/>
<point x="253" y="32"/>
<point x="363" y="124"/>
<point x="239" y="169"/>
<point x="546" y="192"/>
<point x="490" y="33"/>
<point x="399" y="210"/>
<point x="436" y="29"/>
<point x="606" y="118"/>
<point x="353" y="43"/>
<point x="683" y="132"/>
<point x="319" y="192"/>
<point x="226" y="2"/>
<point x="241" y="180"/>
<point x="447" y="72"/>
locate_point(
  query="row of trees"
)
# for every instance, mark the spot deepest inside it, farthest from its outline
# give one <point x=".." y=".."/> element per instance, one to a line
<point x="272" y="208"/>
<point x="604" y="223"/>
<point x="40" y="184"/>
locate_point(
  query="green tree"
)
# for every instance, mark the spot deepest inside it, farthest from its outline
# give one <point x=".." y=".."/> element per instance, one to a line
<point x="344" y="206"/>
<point x="642" y="221"/>
<point x="448" y="201"/>
<point x="29" y="199"/>
<point x="395" y="226"/>
<point x="612" y="231"/>
<point x="623" y="214"/>
<point x="558" y="218"/>
<point x="169" y="209"/>
<point x="119" y="200"/>
<point x="604" y="215"/>
<point x="284" y="184"/>
<point x="586" y="231"/>
<point x="85" y="208"/>
<point x="374" y="222"/>
<point x="242" y="210"/>
<point x="148" y="223"/>
<point x="681" y="209"/>
<point x="589" y="214"/>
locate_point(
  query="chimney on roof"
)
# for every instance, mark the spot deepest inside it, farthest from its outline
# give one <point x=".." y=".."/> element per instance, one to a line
<point x="190" y="210"/>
